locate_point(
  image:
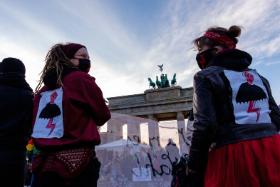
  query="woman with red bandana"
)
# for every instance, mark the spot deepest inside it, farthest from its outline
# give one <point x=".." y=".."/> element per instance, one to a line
<point x="68" y="109"/>
<point x="234" y="114"/>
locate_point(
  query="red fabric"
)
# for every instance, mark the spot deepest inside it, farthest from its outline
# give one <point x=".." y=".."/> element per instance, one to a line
<point x="254" y="163"/>
<point x="84" y="109"/>
<point x="71" y="48"/>
<point x="67" y="164"/>
<point x="202" y="62"/>
<point x="221" y="39"/>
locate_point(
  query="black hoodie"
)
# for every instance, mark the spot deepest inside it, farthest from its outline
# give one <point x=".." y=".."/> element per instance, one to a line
<point x="223" y="117"/>
<point x="16" y="101"/>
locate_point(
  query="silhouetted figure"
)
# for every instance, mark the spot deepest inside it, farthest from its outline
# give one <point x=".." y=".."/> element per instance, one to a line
<point x="16" y="101"/>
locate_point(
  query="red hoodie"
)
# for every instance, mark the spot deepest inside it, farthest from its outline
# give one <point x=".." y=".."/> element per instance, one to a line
<point x="83" y="109"/>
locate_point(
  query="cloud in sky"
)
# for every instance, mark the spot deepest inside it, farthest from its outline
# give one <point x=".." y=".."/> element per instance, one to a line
<point x="186" y="20"/>
<point x="122" y="58"/>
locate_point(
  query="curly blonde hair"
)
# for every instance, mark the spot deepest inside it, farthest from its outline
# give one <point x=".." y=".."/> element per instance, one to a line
<point x="57" y="60"/>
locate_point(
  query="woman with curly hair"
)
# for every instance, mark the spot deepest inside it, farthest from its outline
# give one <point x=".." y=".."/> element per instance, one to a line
<point x="68" y="108"/>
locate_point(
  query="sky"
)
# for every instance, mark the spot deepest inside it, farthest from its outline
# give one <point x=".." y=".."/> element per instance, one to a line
<point x="127" y="39"/>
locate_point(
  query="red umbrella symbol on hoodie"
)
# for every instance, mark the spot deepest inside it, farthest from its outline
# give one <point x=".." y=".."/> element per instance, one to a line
<point x="50" y="111"/>
<point x="249" y="93"/>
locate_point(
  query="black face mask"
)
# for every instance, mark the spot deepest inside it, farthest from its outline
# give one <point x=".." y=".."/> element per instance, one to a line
<point x="84" y="65"/>
<point x="205" y="57"/>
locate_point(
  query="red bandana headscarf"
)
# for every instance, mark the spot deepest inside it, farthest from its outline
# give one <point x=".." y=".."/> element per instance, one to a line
<point x="221" y="39"/>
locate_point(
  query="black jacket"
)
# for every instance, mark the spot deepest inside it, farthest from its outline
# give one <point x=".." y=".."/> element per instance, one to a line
<point x="231" y="103"/>
<point x="16" y="102"/>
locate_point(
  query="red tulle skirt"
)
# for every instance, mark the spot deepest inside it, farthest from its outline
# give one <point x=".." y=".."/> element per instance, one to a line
<point x="252" y="163"/>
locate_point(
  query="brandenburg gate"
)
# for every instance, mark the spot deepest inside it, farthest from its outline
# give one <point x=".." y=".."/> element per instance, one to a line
<point x="154" y="105"/>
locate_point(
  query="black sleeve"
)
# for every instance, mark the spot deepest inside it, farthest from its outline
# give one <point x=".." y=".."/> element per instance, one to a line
<point x="204" y="124"/>
<point x="275" y="111"/>
<point x="28" y="105"/>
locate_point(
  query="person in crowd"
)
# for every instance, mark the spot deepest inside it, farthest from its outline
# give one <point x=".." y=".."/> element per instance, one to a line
<point x="172" y="151"/>
<point x="234" y="111"/>
<point x="179" y="177"/>
<point x="68" y="109"/>
<point x="16" y="102"/>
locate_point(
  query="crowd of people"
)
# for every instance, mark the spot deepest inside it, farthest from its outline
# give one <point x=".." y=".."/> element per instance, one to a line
<point x="235" y="140"/>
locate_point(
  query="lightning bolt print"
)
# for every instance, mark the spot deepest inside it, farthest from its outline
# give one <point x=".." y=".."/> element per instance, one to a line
<point x="50" y="124"/>
<point x="251" y="108"/>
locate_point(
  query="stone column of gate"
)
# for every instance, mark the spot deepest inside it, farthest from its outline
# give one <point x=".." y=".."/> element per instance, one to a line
<point x="181" y="132"/>
<point x="153" y="128"/>
<point x="133" y="129"/>
<point x="115" y="129"/>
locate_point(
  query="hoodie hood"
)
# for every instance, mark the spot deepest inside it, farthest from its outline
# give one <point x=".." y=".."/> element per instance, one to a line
<point x="51" y="77"/>
<point x="12" y="73"/>
<point x="14" y="80"/>
<point x="233" y="59"/>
